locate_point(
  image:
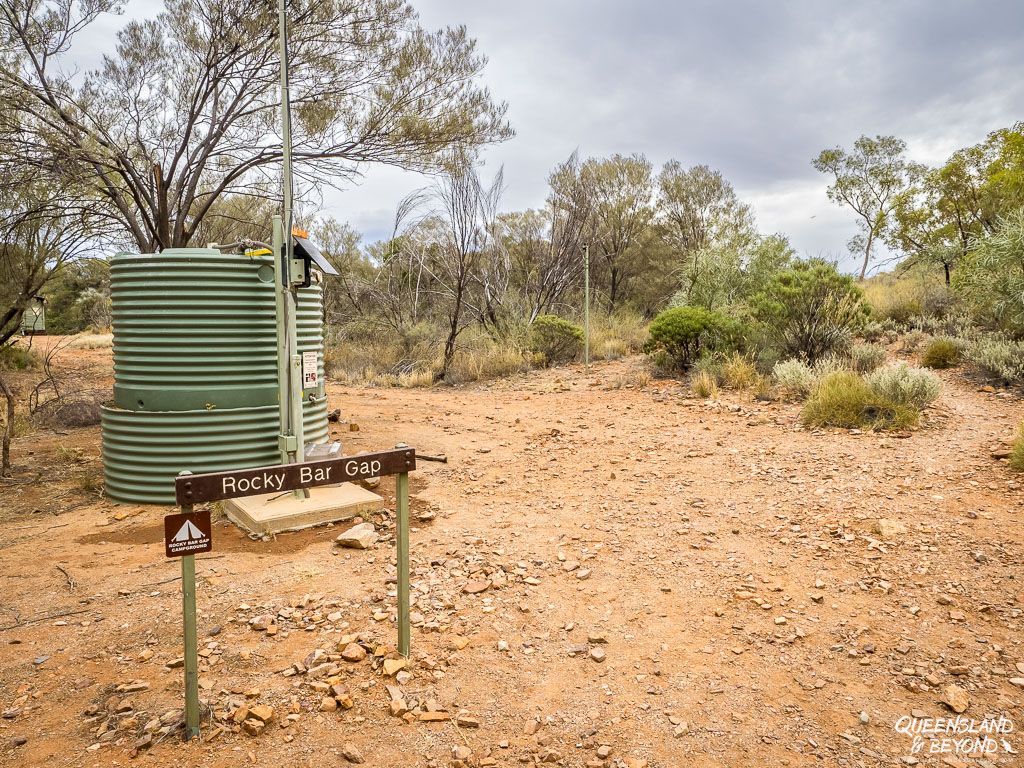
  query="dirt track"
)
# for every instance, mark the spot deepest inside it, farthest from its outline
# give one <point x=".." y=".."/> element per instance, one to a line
<point x="735" y="578"/>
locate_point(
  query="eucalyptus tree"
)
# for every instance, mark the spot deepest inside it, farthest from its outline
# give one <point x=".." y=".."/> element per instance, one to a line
<point x="621" y="191"/>
<point x="458" y="248"/>
<point x="955" y="206"/>
<point x="869" y="179"/>
<point x="699" y="209"/>
<point x="184" y="109"/>
<point x="41" y="229"/>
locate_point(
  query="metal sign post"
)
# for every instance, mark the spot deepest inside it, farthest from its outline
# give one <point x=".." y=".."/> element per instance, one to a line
<point x="402" y="545"/>
<point x="586" y="308"/>
<point x="192" y="489"/>
<point x="185" y="534"/>
<point x="188" y="612"/>
<point x="291" y="441"/>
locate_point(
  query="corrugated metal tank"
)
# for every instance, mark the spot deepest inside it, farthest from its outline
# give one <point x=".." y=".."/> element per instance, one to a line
<point x="195" y="369"/>
<point x="33" y="319"/>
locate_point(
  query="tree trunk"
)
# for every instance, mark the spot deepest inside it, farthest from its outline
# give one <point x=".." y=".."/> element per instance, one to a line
<point x="449" y="344"/>
<point x="5" y="469"/>
<point x="867" y="255"/>
<point x="612" y="290"/>
<point x="945" y="266"/>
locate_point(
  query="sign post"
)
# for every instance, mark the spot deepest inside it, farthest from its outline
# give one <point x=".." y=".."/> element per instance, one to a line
<point x="188" y="610"/>
<point x="402" y="545"/>
<point x="192" y="489"/>
<point x="586" y="308"/>
<point x="185" y="534"/>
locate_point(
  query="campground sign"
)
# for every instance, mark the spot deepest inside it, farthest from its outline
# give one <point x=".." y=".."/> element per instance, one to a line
<point x="188" y="534"/>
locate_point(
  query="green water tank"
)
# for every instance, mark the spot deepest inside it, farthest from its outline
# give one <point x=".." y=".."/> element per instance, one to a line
<point x="33" y="319"/>
<point x="195" y="369"/>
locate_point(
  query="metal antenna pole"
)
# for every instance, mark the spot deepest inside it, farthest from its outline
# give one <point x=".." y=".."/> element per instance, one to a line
<point x="293" y="444"/>
<point x="586" y="308"/>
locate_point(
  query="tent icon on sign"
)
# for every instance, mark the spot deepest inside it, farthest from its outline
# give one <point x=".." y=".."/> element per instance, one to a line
<point x="188" y="532"/>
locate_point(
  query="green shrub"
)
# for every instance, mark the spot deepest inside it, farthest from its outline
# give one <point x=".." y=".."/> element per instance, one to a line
<point x="913" y="339"/>
<point x="810" y="310"/>
<point x="17" y="358"/>
<point x="844" y="399"/>
<point x="1017" y="452"/>
<point x="905" y="385"/>
<point x="864" y="358"/>
<point x="872" y="330"/>
<point x="556" y="338"/>
<point x="794" y="377"/>
<point x="999" y="358"/>
<point x="941" y="352"/>
<point x="684" y="333"/>
<point x="991" y="276"/>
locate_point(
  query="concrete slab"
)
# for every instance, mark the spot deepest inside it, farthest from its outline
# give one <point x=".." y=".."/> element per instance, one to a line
<point x="273" y="513"/>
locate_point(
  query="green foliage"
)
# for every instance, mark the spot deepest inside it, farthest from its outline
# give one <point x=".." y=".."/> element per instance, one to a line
<point x="370" y="84"/>
<point x="78" y="297"/>
<point x="907" y="295"/>
<point x="727" y="274"/>
<point x="868" y="179"/>
<point x="684" y="333"/>
<point x="865" y="358"/>
<point x="1017" y="451"/>
<point x="997" y="357"/>
<point x="17" y="358"/>
<point x="992" y="276"/>
<point x="905" y="385"/>
<point x="795" y="378"/>
<point x="941" y="352"/>
<point x="810" y="310"/>
<point x="621" y="191"/>
<point x="556" y="338"/>
<point x="844" y="399"/>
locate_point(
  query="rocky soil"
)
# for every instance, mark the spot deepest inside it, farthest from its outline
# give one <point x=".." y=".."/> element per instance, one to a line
<point x="604" y="575"/>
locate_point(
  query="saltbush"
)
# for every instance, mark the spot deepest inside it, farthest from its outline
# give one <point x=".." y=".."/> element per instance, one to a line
<point x="941" y="352"/>
<point x="794" y="377"/>
<point x="810" y="310"/>
<point x="905" y="385"/>
<point x="998" y="357"/>
<point x="844" y="399"/>
<point x="685" y="333"/>
<point x="865" y="358"/>
<point x="555" y="338"/>
<point x="1017" y="452"/>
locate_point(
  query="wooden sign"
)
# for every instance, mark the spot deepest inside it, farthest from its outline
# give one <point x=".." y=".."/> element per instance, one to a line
<point x="188" y="533"/>
<point x="215" y="486"/>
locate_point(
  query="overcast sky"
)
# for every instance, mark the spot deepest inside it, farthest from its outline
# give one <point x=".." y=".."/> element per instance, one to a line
<point x="754" y="88"/>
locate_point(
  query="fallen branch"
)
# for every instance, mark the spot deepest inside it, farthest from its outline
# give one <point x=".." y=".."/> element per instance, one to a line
<point x="71" y="582"/>
<point x="44" y="618"/>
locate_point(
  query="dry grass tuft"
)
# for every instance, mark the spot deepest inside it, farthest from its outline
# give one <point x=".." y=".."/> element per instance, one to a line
<point x="704" y="385"/>
<point x="844" y="399"/>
